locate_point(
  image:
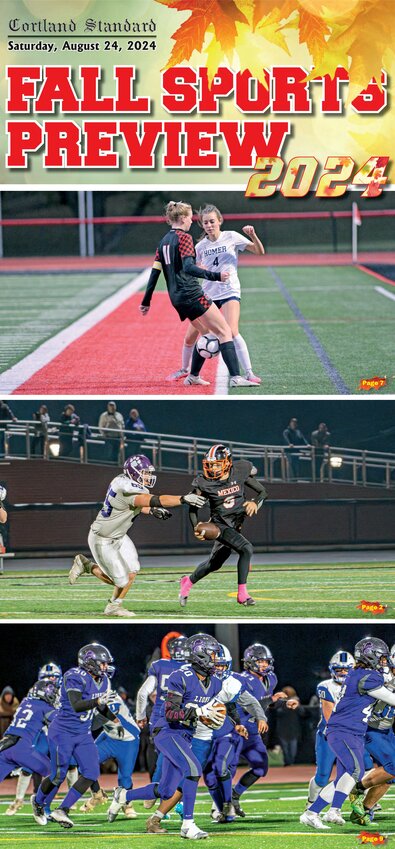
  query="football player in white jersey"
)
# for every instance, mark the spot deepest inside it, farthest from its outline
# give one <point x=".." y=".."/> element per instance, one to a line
<point x="328" y="692"/>
<point x="115" y="556"/>
<point x="218" y="251"/>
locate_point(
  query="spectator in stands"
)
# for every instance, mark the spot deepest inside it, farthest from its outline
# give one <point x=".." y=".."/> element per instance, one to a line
<point x="3" y="511"/>
<point x="294" y="438"/>
<point x="6" y="415"/>
<point x="320" y="442"/>
<point x="70" y="422"/>
<point x="111" y="426"/>
<point x="134" y="422"/>
<point x="8" y="702"/>
<point x="39" y="441"/>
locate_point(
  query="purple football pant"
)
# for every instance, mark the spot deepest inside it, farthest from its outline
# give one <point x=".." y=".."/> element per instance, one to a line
<point x="63" y="747"/>
<point x="350" y="767"/>
<point x="25" y="756"/>
<point x="254" y="750"/>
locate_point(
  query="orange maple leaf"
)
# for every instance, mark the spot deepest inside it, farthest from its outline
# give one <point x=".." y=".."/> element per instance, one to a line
<point x="222" y="14"/>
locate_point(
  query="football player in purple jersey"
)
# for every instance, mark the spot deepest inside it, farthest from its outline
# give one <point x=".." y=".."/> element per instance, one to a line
<point x="17" y="746"/>
<point x="190" y="693"/>
<point x="223" y="483"/>
<point x="116" y="561"/>
<point x="347" y="728"/>
<point x="85" y="689"/>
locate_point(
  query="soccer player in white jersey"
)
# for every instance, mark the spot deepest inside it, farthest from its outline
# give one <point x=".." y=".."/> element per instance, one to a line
<point x="218" y="251"/>
<point x="115" y="556"/>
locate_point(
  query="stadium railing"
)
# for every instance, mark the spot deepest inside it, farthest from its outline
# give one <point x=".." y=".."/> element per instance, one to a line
<point x="176" y="453"/>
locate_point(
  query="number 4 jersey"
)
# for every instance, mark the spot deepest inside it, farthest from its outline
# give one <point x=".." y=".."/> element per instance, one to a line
<point x="352" y="711"/>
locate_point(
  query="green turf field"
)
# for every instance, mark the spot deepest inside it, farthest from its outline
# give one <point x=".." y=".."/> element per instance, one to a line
<point x="300" y="592"/>
<point x="35" y="307"/>
<point x="350" y="325"/>
<point x="272" y="819"/>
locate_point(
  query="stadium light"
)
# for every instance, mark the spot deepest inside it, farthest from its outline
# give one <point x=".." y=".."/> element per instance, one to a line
<point x="54" y="448"/>
<point x="336" y="462"/>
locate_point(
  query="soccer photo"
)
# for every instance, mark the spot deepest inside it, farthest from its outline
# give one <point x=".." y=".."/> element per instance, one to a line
<point x="235" y="733"/>
<point x="208" y="295"/>
<point x="257" y="509"/>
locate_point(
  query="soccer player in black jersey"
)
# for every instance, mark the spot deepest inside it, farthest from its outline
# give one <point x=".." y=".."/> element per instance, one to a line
<point x="175" y="256"/>
<point x="223" y="483"/>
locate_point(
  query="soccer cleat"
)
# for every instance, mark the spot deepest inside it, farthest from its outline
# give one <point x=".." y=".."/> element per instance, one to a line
<point x="334" y="815"/>
<point x="129" y="811"/>
<point x="192" y="831"/>
<point x="238" y="380"/>
<point x="253" y="378"/>
<point x="153" y="825"/>
<point x="14" y="807"/>
<point x="149" y="803"/>
<point x="248" y="602"/>
<point x="357" y="819"/>
<point x="80" y="566"/>
<point x="356" y="798"/>
<point x="236" y="804"/>
<point x="96" y="799"/>
<point x="113" y="609"/>
<point x="313" y="820"/>
<point x="177" y="375"/>
<point x="38" y="811"/>
<point x="195" y="380"/>
<point x="59" y="815"/>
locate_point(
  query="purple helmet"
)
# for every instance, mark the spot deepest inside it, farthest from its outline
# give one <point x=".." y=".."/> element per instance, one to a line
<point x="202" y="652"/>
<point x="140" y="469"/>
<point x="253" y="657"/>
<point x="45" y="690"/>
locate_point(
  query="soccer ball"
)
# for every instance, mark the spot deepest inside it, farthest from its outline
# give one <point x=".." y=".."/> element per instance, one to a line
<point x="208" y="346"/>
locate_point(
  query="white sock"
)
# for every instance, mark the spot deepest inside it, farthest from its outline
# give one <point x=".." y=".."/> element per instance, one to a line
<point x="158" y="814"/>
<point x="314" y="790"/>
<point x="21" y="787"/>
<point x="186" y="356"/>
<point x="242" y="352"/>
<point x="115" y="600"/>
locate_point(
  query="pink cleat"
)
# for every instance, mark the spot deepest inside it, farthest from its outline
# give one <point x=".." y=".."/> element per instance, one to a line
<point x="185" y="588"/>
<point x="253" y="378"/>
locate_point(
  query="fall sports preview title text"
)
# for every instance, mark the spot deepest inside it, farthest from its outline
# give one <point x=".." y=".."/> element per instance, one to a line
<point x="258" y="142"/>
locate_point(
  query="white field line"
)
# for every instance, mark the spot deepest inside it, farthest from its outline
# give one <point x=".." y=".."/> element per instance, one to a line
<point x="18" y="373"/>
<point x="384" y="292"/>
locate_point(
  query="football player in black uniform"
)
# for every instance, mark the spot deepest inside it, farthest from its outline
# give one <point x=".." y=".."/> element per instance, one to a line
<point x="223" y="483"/>
<point x="175" y="256"/>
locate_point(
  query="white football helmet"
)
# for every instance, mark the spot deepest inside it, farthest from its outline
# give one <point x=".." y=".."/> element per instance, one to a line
<point x="340" y="664"/>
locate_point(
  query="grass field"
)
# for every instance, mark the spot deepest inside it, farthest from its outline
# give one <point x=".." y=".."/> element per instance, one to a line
<point x="310" y="330"/>
<point x="272" y="818"/>
<point x="299" y="592"/>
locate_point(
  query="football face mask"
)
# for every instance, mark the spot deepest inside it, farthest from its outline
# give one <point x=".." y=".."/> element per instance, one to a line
<point x="340" y="665"/>
<point x="217" y="462"/>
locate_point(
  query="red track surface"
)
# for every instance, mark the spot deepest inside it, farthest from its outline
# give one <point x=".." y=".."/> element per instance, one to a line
<point x="121" y="263"/>
<point x="106" y="360"/>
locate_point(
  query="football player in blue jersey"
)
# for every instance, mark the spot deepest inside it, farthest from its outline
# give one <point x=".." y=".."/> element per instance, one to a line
<point x="347" y="728"/>
<point x="328" y="692"/>
<point x="85" y="689"/>
<point x="17" y="747"/>
<point x="191" y="689"/>
<point x="260" y="680"/>
<point x="380" y="744"/>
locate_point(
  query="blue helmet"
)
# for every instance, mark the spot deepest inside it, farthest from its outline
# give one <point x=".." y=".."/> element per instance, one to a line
<point x="223" y="659"/>
<point x="202" y="651"/>
<point x="91" y="658"/>
<point x="177" y="649"/>
<point x="140" y="469"/>
<point x="340" y="664"/>
<point x="50" y="671"/>
<point x="46" y="690"/>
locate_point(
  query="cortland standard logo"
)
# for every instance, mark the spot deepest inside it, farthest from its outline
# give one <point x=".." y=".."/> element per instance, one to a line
<point x="372" y="607"/>
<point x="372" y="383"/>
<point x="373" y="838"/>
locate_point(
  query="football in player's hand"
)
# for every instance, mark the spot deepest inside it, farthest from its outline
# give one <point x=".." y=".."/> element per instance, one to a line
<point x="207" y="530"/>
<point x="221" y="709"/>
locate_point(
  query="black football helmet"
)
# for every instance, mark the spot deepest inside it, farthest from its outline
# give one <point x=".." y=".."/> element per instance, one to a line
<point x="202" y="653"/>
<point x="217" y="462"/>
<point x="370" y="651"/>
<point x="46" y="690"/>
<point x="92" y="657"/>
<point x="176" y="647"/>
<point x="253" y="657"/>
